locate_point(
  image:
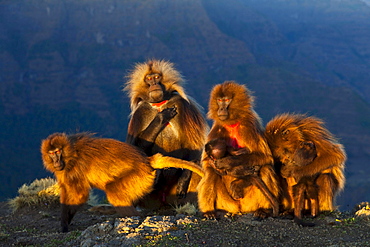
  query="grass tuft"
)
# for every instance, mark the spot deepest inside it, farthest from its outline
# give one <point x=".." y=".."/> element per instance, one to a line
<point x="41" y="192"/>
<point x="187" y="209"/>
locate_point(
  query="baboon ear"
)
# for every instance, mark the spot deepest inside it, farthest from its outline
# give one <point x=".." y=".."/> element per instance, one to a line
<point x="285" y="132"/>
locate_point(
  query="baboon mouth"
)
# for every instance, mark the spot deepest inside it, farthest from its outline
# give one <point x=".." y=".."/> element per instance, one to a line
<point x="59" y="167"/>
<point x="156" y="96"/>
<point x="223" y="117"/>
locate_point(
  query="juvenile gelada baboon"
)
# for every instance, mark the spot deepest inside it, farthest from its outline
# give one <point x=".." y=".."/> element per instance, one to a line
<point x="165" y="120"/>
<point x="305" y="191"/>
<point x="235" y="121"/>
<point x="81" y="162"/>
<point x="285" y="134"/>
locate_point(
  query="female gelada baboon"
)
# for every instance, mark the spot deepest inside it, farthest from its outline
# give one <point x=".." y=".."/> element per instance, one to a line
<point x="81" y="162"/>
<point x="165" y="120"/>
<point x="285" y="134"/>
<point x="235" y="121"/>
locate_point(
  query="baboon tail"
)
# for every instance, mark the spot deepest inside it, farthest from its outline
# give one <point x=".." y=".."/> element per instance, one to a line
<point x="158" y="161"/>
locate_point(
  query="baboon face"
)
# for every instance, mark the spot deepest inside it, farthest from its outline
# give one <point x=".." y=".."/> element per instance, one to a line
<point x="223" y="107"/>
<point x="283" y="140"/>
<point x="154" y="81"/>
<point x="229" y="103"/>
<point x="156" y="88"/>
<point x="56" y="156"/>
<point x="305" y="153"/>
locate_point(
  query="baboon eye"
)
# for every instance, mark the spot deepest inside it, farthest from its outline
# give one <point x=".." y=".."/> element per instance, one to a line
<point x="285" y="132"/>
<point x="149" y="78"/>
<point x="57" y="152"/>
<point x="156" y="77"/>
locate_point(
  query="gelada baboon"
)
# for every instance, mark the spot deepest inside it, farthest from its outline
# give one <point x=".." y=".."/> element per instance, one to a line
<point x="231" y="109"/>
<point x="306" y="187"/>
<point x="165" y="120"/>
<point x="81" y="162"/>
<point x="227" y="160"/>
<point x="285" y="133"/>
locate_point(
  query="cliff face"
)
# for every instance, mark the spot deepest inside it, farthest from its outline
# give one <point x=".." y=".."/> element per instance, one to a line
<point x="63" y="65"/>
<point x="56" y="49"/>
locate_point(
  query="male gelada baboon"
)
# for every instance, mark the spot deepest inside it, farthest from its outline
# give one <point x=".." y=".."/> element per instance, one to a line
<point x="165" y="120"/>
<point x="235" y="121"/>
<point x="285" y="134"/>
<point x="81" y="162"/>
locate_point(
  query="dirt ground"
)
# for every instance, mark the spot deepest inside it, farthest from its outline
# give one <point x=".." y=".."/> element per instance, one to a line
<point x="40" y="226"/>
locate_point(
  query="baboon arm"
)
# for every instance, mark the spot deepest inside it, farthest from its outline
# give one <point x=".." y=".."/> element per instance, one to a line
<point x="248" y="160"/>
<point x="257" y="181"/>
<point x="207" y="193"/>
<point x="299" y="204"/>
<point x="145" y="139"/>
<point x="243" y="165"/>
<point x="229" y="162"/>
<point x="71" y="200"/>
<point x="299" y="197"/>
<point x="183" y="183"/>
<point x="319" y="164"/>
<point x="74" y="195"/>
<point x="259" y="159"/>
<point x="242" y="171"/>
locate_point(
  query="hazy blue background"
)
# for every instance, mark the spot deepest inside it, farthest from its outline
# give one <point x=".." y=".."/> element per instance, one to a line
<point x="63" y="63"/>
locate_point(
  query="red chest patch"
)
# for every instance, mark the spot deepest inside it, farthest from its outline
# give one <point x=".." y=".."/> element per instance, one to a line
<point x="158" y="107"/>
<point x="235" y="137"/>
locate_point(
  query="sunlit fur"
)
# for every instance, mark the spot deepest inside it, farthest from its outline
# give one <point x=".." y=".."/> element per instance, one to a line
<point x="241" y="98"/>
<point x="123" y="171"/>
<point x="285" y="132"/>
<point x="137" y="88"/>
<point x="213" y="190"/>
<point x="189" y="120"/>
<point x="184" y="137"/>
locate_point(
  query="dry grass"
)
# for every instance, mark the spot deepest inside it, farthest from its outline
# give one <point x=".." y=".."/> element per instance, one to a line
<point x="41" y="192"/>
<point x="187" y="209"/>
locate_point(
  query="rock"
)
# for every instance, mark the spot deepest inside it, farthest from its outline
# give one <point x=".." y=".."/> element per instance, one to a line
<point x="130" y="230"/>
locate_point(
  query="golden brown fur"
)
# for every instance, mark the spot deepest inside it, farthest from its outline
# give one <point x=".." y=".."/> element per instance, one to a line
<point x="172" y="125"/>
<point x="123" y="171"/>
<point x="242" y="128"/>
<point x="173" y="80"/>
<point x="284" y="134"/>
<point x="305" y="191"/>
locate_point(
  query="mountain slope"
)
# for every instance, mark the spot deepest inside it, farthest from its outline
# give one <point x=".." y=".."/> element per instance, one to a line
<point x="63" y="65"/>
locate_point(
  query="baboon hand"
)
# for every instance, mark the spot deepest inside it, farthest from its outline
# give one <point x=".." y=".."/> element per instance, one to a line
<point x="286" y="171"/>
<point x="237" y="189"/>
<point x="167" y="114"/>
<point x="211" y="215"/>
